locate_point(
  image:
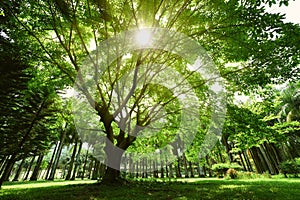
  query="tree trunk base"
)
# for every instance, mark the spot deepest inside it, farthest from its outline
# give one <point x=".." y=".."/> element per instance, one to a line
<point x="114" y="182"/>
<point x="112" y="177"/>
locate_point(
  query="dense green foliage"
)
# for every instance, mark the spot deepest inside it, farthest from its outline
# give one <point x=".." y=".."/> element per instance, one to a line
<point x="47" y="47"/>
<point x="290" y="167"/>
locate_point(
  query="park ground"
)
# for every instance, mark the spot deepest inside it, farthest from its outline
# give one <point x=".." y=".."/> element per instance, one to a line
<point x="205" y="188"/>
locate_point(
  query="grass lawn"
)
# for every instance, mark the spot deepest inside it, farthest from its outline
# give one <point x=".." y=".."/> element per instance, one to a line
<point x="193" y="189"/>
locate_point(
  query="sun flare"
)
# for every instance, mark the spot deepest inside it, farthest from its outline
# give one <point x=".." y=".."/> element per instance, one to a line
<point x="143" y="37"/>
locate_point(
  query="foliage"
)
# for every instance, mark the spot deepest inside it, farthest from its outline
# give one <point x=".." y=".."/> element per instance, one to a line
<point x="221" y="168"/>
<point x="245" y="128"/>
<point x="290" y="102"/>
<point x="286" y="130"/>
<point x="247" y="175"/>
<point x="28" y="108"/>
<point x="290" y="167"/>
<point x="232" y="173"/>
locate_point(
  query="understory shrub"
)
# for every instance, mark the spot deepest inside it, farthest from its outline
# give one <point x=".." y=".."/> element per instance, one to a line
<point x="290" y="167"/>
<point x="266" y="175"/>
<point x="220" y="169"/>
<point x="232" y="173"/>
<point x="247" y="175"/>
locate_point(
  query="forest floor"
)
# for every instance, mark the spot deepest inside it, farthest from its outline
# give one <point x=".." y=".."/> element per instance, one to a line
<point x="204" y="188"/>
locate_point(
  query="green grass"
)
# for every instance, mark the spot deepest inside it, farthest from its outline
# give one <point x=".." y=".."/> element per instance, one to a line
<point x="193" y="189"/>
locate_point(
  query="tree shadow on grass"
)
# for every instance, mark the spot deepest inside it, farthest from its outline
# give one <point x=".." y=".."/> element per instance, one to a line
<point x="219" y="189"/>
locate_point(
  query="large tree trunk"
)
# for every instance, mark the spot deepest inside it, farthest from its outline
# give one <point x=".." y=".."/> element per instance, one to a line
<point x="37" y="167"/>
<point x="9" y="165"/>
<point x="245" y="155"/>
<point x="255" y="161"/>
<point x="3" y="163"/>
<point x="270" y="154"/>
<point x="259" y="161"/>
<point x="267" y="159"/>
<point x="242" y="161"/>
<point x="112" y="175"/>
<point x="113" y="157"/>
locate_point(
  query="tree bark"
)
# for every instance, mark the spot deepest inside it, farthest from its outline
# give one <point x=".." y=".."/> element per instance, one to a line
<point x="9" y="165"/>
<point x="70" y="169"/>
<point x="167" y="169"/>
<point x="162" y="171"/>
<point x="3" y="163"/>
<point x="146" y="167"/>
<point x="209" y="166"/>
<point x="57" y="156"/>
<point x="95" y="170"/>
<point x="29" y="168"/>
<point x="227" y="147"/>
<point x="220" y="152"/>
<point x="246" y="157"/>
<point x="191" y="169"/>
<point x="112" y="173"/>
<point x="155" y="168"/>
<point x="136" y="169"/>
<point x="85" y="161"/>
<point x="186" y="172"/>
<point x="113" y="156"/>
<point x="77" y="160"/>
<point x="17" y="175"/>
<point x="51" y="161"/>
<point x="242" y="161"/>
<point x="171" y="171"/>
<point x="90" y="168"/>
<point x="267" y="159"/>
<point x="37" y="167"/>
<point x="272" y="157"/>
<point x="177" y="169"/>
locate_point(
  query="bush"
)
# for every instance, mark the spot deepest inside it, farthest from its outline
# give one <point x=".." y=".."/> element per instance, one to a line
<point x="246" y="175"/>
<point x="232" y="173"/>
<point x="266" y="175"/>
<point x="221" y="168"/>
<point x="290" y="167"/>
<point x="251" y="175"/>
